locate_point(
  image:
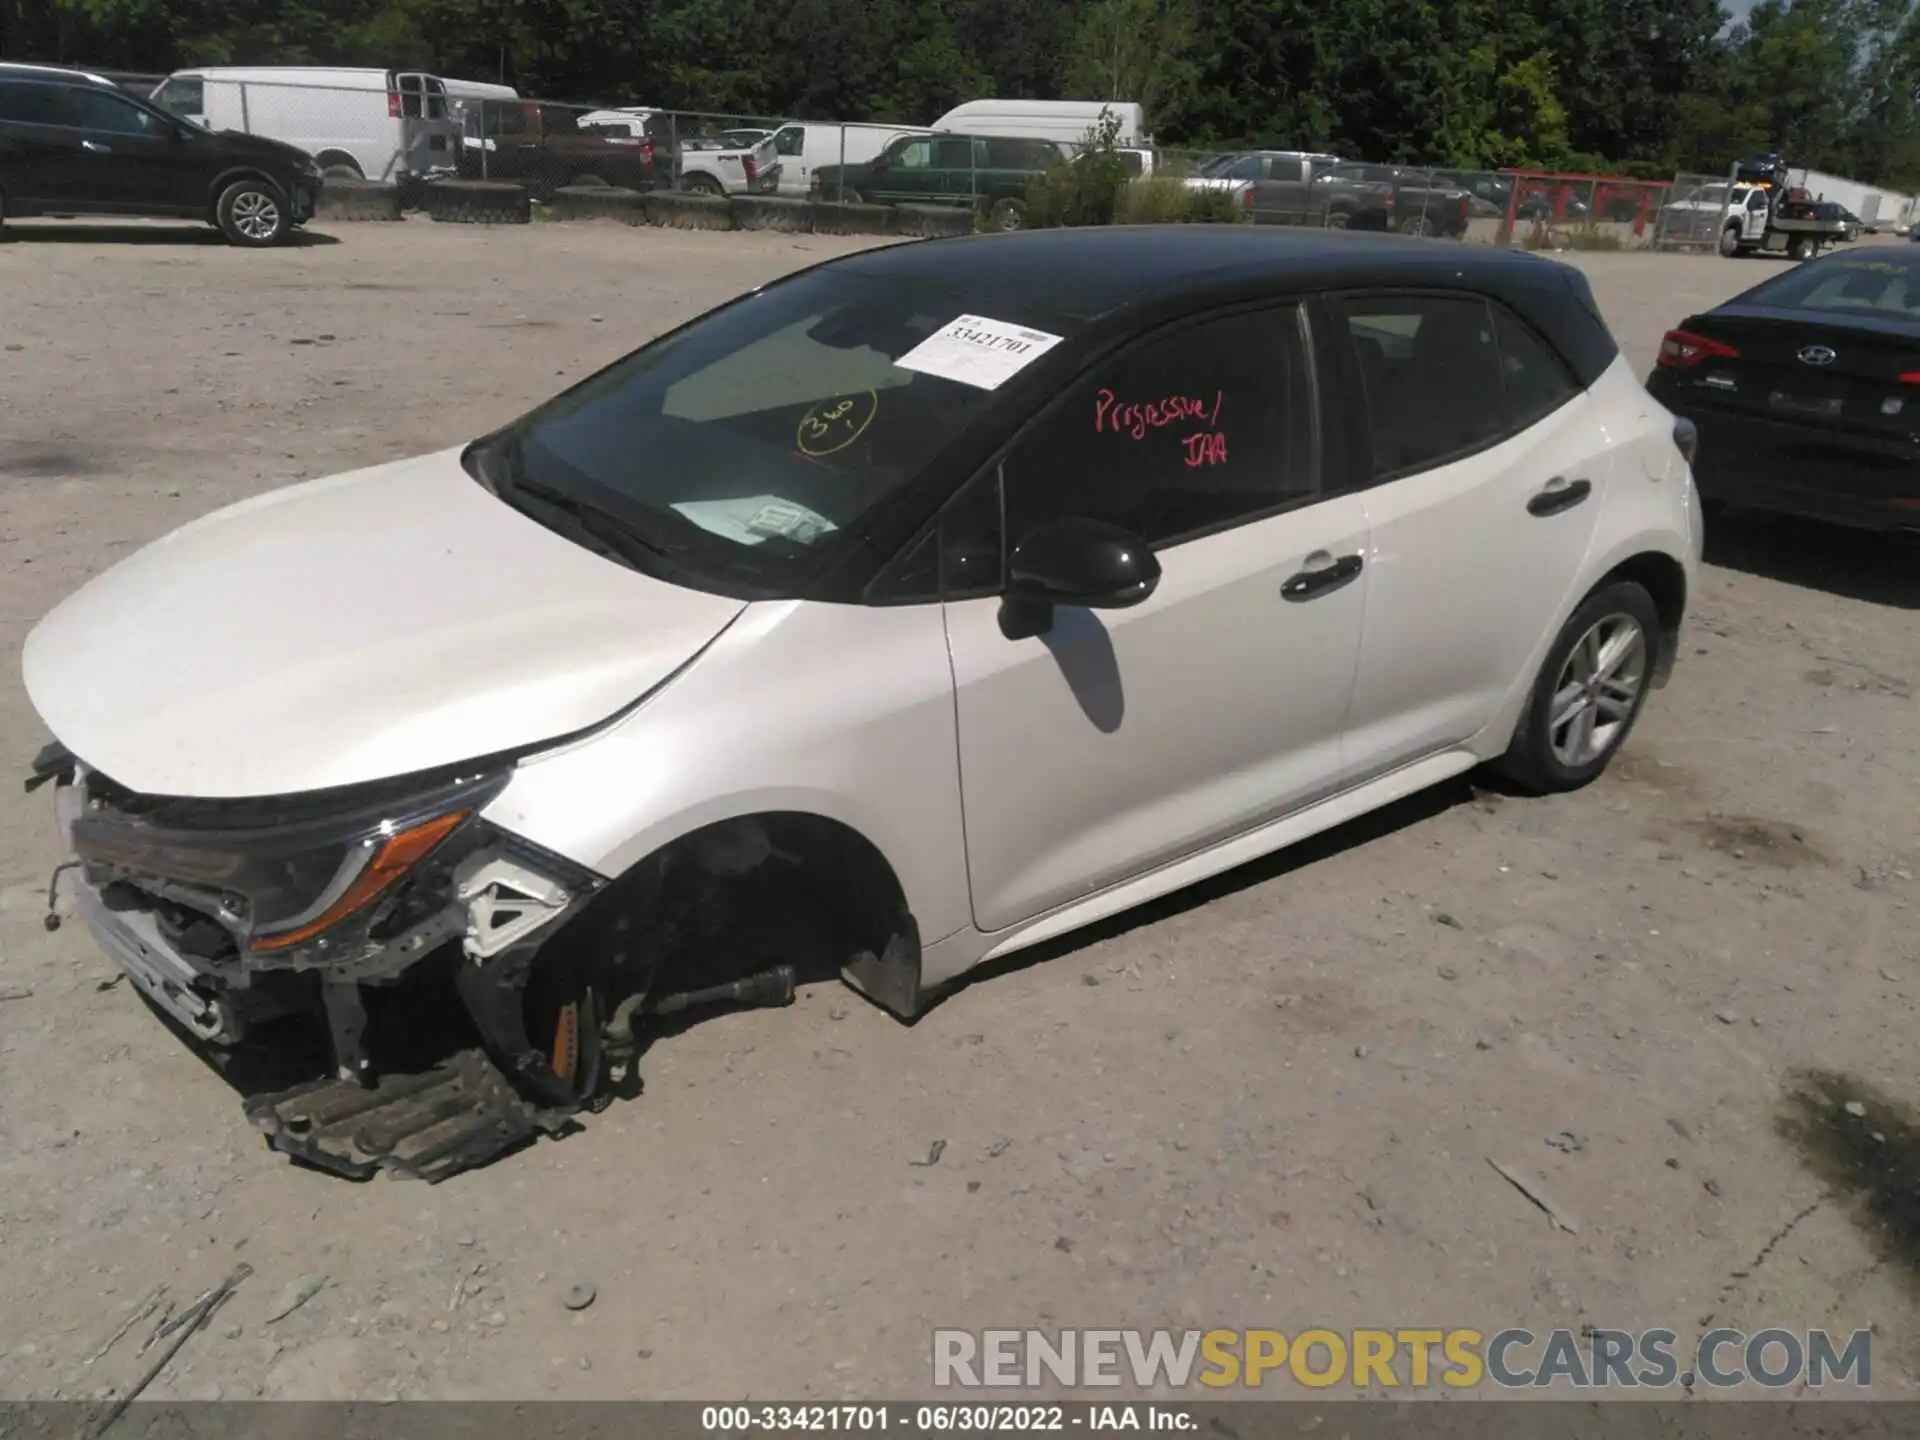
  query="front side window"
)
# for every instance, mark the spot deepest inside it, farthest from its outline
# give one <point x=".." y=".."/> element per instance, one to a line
<point x="790" y="141"/>
<point x="914" y="155"/>
<point x="1431" y="378"/>
<point x="1187" y="431"/>
<point x="749" y="445"/>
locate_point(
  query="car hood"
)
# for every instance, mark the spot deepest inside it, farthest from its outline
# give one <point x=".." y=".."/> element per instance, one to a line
<point x="356" y="628"/>
<point x="239" y="142"/>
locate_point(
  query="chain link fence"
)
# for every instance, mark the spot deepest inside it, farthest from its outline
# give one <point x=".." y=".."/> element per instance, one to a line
<point x="1696" y="216"/>
<point x="404" y="128"/>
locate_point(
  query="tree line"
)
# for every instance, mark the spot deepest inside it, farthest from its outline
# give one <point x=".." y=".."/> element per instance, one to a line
<point x="1642" y="86"/>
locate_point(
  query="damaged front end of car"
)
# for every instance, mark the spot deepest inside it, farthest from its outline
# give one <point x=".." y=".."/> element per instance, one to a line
<point x="229" y="914"/>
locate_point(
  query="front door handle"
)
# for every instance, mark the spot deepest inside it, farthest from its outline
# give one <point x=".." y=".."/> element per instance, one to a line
<point x="1321" y="575"/>
<point x="96" y="147"/>
<point x="1559" y="495"/>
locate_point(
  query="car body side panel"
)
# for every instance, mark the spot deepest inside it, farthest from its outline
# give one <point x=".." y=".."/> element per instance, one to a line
<point x="1464" y="582"/>
<point x="1650" y="507"/>
<point x="841" y="711"/>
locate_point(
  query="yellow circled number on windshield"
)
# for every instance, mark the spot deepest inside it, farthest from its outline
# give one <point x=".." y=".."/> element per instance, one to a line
<point x="831" y="427"/>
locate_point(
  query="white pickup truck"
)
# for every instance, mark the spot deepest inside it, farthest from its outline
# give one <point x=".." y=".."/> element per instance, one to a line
<point x="710" y="165"/>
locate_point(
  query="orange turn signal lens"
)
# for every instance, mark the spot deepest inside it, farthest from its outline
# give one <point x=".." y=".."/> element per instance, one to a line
<point x="399" y="854"/>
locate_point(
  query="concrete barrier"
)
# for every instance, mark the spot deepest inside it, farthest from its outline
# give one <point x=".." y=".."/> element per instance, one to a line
<point x="830" y="217"/>
<point x="357" y="200"/>
<point x="928" y="221"/>
<point x="477" y="202"/>
<point x="678" y="211"/>
<point x="770" y="212"/>
<point x="598" y="202"/>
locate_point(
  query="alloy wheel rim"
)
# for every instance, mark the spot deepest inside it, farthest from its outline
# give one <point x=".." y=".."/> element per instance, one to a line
<point x="1597" y="692"/>
<point x="255" y="215"/>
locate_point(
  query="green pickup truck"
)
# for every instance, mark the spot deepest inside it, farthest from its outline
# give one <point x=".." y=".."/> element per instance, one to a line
<point x="988" y="172"/>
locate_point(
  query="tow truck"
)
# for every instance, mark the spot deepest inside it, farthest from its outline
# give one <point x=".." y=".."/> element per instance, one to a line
<point x="1766" y="214"/>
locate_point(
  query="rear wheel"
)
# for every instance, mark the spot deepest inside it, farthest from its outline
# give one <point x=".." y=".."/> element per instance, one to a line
<point x="252" y="213"/>
<point x="335" y="166"/>
<point x="590" y="182"/>
<point x="1801" y="248"/>
<point x="1008" y="215"/>
<point x="701" y="185"/>
<point x="1338" y="220"/>
<point x="1589" y="691"/>
<point x="1416" y="225"/>
<point x="850" y="197"/>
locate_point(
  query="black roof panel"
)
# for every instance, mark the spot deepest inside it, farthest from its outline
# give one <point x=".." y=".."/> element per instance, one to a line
<point x="1109" y="269"/>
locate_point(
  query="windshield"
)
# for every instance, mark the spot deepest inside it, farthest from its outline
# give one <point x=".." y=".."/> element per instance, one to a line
<point x="744" y="449"/>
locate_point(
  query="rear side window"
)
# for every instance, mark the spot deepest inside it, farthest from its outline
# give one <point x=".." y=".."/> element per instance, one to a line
<point x="1538" y="381"/>
<point x="25" y="103"/>
<point x="1188" y="431"/>
<point x="1431" y="374"/>
<point x="108" y="113"/>
<point x="957" y="155"/>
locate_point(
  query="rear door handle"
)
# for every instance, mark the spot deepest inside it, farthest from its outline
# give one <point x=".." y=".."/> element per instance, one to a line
<point x="1321" y="575"/>
<point x="1559" y="495"/>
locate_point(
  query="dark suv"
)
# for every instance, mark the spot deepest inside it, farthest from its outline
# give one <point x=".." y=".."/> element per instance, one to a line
<point x="76" y="144"/>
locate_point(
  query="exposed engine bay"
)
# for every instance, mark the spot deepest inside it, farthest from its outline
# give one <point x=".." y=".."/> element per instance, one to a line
<point x="240" y="918"/>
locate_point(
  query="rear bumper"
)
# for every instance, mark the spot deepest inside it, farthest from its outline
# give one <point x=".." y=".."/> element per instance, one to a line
<point x="1864" y="481"/>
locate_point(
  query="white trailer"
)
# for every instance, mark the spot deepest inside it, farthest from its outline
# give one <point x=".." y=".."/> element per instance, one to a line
<point x="1878" y="207"/>
<point x="1064" y="120"/>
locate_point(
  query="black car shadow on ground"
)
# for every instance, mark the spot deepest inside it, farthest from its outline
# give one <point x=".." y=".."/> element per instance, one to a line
<point x="1852" y="564"/>
<point x="85" y="231"/>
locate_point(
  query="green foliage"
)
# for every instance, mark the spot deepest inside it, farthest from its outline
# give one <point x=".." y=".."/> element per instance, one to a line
<point x="1165" y="201"/>
<point x="1642" y="86"/>
<point x="1084" y="190"/>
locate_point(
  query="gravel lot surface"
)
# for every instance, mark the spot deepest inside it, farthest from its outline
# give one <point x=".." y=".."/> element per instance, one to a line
<point x="1271" y="1102"/>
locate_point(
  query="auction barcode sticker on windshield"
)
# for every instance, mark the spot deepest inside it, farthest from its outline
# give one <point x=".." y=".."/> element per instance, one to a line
<point x="979" y="352"/>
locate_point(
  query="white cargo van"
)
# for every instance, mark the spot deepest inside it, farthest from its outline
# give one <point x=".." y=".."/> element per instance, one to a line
<point x="804" y="146"/>
<point x="1067" y="120"/>
<point x="358" y="123"/>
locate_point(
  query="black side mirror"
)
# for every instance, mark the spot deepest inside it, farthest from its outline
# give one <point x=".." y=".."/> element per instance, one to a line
<point x="1074" y="562"/>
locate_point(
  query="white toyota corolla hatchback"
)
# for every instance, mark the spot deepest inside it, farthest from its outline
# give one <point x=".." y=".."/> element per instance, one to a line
<point x="913" y="609"/>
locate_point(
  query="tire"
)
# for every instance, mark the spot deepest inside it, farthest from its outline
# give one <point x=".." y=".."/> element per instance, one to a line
<point x="1730" y="241"/>
<point x="1338" y="220"/>
<point x="341" y="167"/>
<point x="851" y="197"/>
<point x="1618" y="621"/>
<point x="1008" y="215"/>
<point x="589" y="182"/>
<point x="1417" y="225"/>
<point x="1801" y="248"/>
<point x="4" y="237"/>
<point x="253" y="214"/>
<point x="701" y="185"/>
